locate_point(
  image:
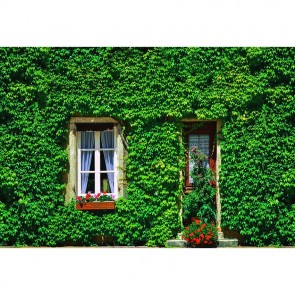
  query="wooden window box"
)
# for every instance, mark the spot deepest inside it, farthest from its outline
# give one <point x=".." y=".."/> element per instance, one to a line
<point x="108" y="205"/>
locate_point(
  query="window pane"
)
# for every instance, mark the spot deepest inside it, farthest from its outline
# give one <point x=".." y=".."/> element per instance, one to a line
<point x="107" y="182"/>
<point x="202" y="142"/>
<point x="87" y="140"/>
<point x="107" y="139"/>
<point x="87" y="160"/>
<point x="107" y="160"/>
<point x="87" y="183"/>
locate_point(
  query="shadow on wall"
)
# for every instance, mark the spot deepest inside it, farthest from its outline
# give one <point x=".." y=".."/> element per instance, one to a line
<point x="233" y="234"/>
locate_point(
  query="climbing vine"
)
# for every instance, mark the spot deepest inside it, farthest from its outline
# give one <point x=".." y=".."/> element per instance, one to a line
<point x="150" y="90"/>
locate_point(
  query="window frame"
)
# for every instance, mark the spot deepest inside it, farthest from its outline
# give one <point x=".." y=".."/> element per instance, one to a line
<point x="71" y="176"/>
<point x="97" y="162"/>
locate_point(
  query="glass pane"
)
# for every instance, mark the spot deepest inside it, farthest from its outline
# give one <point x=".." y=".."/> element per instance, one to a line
<point x="87" y="183"/>
<point x="87" y="140"/>
<point x="107" y="160"/>
<point x="87" y="160"/>
<point x="107" y="182"/>
<point x="202" y="142"/>
<point x="107" y="139"/>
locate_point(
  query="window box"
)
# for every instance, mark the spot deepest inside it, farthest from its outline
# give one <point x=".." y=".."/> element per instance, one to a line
<point x="107" y="205"/>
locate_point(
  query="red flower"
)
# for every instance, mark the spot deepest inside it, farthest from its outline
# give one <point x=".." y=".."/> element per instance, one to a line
<point x="203" y="225"/>
<point x="87" y="197"/>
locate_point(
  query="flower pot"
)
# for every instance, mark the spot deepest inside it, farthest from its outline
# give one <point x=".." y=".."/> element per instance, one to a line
<point x="107" y="205"/>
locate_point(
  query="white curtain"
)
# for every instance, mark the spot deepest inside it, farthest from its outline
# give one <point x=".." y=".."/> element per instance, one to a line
<point x="87" y="142"/>
<point x="107" y="141"/>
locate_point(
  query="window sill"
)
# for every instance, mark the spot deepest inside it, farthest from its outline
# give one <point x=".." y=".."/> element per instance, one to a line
<point x="108" y="205"/>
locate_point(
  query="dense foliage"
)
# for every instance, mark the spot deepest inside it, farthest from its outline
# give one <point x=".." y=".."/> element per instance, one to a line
<point x="200" y="202"/>
<point x="149" y="90"/>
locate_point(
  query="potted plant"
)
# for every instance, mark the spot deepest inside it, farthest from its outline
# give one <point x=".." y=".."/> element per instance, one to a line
<point x="200" y="234"/>
<point x="100" y="201"/>
<point x="200" y="201"/>
<point x="200" y="231"/>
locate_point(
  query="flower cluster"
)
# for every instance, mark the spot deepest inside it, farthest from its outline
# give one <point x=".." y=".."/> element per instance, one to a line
<point x="200" y="234"/>
<point x="100" y="197"/>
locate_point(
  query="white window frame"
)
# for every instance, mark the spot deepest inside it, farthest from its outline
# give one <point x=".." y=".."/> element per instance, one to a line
<point x="97" y="149"/>
<point x="121" y="152"/>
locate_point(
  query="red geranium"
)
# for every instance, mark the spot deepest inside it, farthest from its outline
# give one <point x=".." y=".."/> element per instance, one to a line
<point x="88" y="196"/>
<point x="199" y="234"/>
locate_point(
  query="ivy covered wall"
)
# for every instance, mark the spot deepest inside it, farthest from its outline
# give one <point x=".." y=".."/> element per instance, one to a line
<point x="149" y="90"/>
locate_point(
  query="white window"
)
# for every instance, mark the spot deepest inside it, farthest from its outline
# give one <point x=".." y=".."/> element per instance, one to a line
<point x="97" y="159"/>
<point x="97" y="150"/>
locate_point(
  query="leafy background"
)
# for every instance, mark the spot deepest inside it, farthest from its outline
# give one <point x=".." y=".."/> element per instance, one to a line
<point x="150" y="90"/>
